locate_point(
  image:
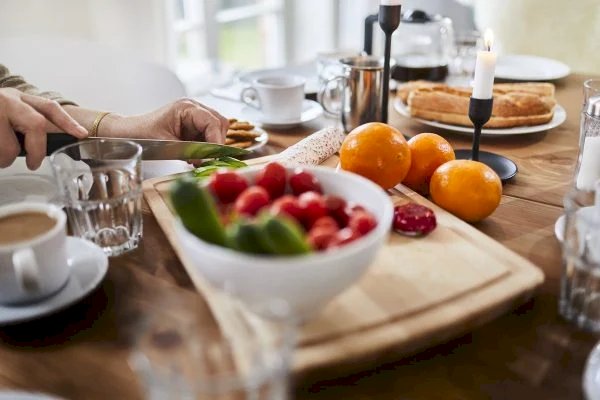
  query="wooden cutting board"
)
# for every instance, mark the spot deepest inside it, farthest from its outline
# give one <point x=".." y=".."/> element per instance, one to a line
<point x="418" y="292"/>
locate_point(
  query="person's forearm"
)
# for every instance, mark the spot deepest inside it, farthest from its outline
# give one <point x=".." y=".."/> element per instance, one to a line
<point x="110" y="125"/>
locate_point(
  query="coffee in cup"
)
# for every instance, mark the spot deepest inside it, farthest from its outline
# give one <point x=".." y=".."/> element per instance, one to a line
<point x="278" y="97"/>
<point x="33" y="254"/>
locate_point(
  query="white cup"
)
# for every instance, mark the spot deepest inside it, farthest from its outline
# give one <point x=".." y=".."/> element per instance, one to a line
<point x="35" y="268"/>
<point x="279" y="97"/>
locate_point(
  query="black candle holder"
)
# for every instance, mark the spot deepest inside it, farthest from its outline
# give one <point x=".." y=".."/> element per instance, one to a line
<point x="480" y="111"/>
<point x="389" y="19"/>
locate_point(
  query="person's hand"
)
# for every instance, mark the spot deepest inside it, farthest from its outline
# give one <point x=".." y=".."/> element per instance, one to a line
<point x="30" y="115"/>
<point x="183" y="119"/>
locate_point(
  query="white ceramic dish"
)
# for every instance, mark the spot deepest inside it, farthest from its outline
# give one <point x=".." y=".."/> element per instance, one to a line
<point x="18" y="183"/>
<point x="310" y="110"/>
<point x="560" y="116"/>
<point x="559" y="225"/>
<point x="519" y="67"/>
<point x="88" y="267"/>
<point x="18" y="395"/>
<point x="260" y="141"/>
<point x="308" y="282"/>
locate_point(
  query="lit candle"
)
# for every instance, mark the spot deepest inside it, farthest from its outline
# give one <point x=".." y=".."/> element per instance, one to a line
<point x="483" y="83"/>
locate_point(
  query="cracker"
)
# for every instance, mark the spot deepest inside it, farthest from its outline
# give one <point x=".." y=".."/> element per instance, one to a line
<point x="241" y="126"/>
<point x="242" y="135"/>
<point x="241" y="145"/>
<point x="232" y="120"/>
<point x="229" y="141"/>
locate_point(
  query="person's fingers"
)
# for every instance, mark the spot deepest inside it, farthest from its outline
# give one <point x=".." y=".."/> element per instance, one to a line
<point x="10" y="149"/>
<point x="32" y="124"/>
<point x="224" y="122"/>
<point x="56" y="114"/>
<point x="203" y="121"/>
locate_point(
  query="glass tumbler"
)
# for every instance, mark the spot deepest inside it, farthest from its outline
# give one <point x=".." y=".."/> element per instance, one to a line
<point x="242" y="356"/>
<point x="100" y="182"/>
<point x="580" y="285"/>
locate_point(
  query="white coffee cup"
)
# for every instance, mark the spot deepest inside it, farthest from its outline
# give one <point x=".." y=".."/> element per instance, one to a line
<point x="38" y="267"/>
<point x="279" y="97"/>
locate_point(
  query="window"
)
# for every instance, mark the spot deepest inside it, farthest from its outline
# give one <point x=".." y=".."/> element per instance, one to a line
<point x="209" y="40"/>
<point x="215" y="37"/>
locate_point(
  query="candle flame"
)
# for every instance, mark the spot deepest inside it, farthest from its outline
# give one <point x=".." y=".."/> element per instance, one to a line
<point x="488" y="39"/>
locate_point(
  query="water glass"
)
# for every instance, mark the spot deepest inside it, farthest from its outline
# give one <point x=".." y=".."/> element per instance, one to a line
<point x="100" y="182"/>
<point x="580" y="285"/>
<point x="181" y="357"/>
<point x="466" y="45"/>
<point x="591" y="88"/>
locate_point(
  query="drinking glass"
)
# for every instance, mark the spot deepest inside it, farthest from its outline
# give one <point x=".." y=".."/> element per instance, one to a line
<point x="580" y="285"/>
<point x="100" y="182"/>
<point x="591" y="88"/>
<point x="466" y="45"/>
<point x="243" y="357"/>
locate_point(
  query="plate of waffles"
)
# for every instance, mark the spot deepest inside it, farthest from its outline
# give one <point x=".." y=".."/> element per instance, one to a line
<point x="245" y="135"/>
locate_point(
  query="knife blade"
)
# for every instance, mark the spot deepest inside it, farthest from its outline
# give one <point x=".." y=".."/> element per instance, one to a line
<point x="154" y="149"/>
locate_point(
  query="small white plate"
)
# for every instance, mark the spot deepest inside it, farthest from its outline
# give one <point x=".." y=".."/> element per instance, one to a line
<point x="260" y="141"/>
<point x="18" y="183"/>
<point x="559" y="226"/>
<point x="310" y="110"/>
<point x="560" y="116"/>
<point x="88" y="267"/>
<point x="519" y="67"/>
<point x="19" y="395"/>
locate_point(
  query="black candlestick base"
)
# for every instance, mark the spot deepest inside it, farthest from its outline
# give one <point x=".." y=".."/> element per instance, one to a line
<point x="480" y="111"/>
<point x="504" y="167"/>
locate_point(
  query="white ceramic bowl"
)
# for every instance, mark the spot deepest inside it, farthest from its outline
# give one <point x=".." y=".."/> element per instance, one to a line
<point x="305" y="283"/>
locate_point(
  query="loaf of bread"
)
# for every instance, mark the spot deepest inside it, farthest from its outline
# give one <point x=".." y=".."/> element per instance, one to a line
<point x="515" y="104"/>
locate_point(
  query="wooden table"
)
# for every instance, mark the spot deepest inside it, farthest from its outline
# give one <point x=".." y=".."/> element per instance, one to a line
<point x="530" y="353"/>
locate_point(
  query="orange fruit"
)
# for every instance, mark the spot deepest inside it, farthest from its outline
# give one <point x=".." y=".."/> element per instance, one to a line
<point x="468" y="189"/>
<point x="378" y="152"/>
<point x="428" y="151"/>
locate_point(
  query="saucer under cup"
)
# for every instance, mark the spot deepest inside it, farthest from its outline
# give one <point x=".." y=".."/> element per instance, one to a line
<point x="278" y="97"/>
<point x="34" y="268"/>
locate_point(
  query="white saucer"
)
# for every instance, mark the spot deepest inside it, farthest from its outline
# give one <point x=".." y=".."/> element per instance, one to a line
<point x="88" y="267"/>
<point x="310" y="110"/>
<point x="559" y="225"/>
<point x="19" y="395"/>
<point x="520" y="67"/>
<point x="18" y="183"/>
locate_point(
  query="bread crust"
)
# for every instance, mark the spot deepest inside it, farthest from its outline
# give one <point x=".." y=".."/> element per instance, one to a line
<point x="514" y="104"/>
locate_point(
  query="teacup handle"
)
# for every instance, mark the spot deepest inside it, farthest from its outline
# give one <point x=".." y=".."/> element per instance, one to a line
<point x="27" y="271"/>
<point x="250" y="97"/>
<point x="324" y="97"/>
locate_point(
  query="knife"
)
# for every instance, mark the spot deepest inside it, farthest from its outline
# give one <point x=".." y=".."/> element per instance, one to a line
<point x="152" y="149"/>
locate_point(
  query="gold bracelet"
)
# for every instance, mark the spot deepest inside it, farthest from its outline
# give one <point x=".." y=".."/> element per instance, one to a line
<point x="99" y="118"/>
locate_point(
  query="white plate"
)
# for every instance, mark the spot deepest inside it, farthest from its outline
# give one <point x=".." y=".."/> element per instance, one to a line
<point x="530" y="68"/>
<point x="18" y="183"/>
<point x="18" y="395"/>
<point x="260" y="141"/>
<point x="310" y="111"/>
<point x="559" y="226"/>
<point x="560" y="116"/>
<point x="88" y="267"/>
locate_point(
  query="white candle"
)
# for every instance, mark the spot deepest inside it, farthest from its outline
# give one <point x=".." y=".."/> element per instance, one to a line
<point x="483" y="83"/>
<point x="390" y="2"/>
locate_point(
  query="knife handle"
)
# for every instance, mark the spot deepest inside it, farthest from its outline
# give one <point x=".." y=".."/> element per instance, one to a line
<point x="55" y="142"/>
